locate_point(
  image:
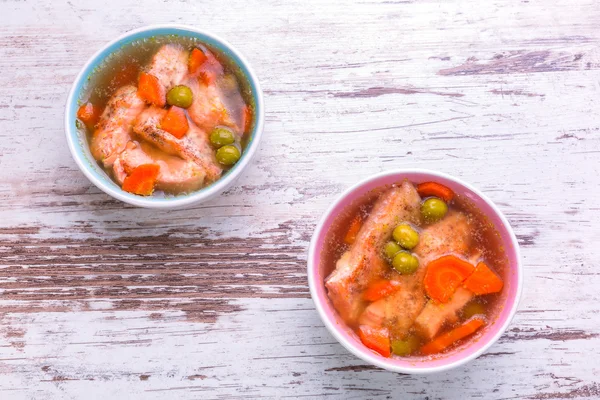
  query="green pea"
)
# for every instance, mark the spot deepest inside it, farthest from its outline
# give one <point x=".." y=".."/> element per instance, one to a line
<point x="406" y="236"/>
<point x="391" y="249"/>
<point x="433" y="210"/>
<point x="220" y="137"/>
<point x="228" y="155"/>
<point x="405" y="263"/>
<point x="405" y="347"/>
<point x="180" y="96"/>
<point x="473" y="308"/>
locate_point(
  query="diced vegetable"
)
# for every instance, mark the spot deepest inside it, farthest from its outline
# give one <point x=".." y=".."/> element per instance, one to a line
<point x="433" y="210"/>
<point x="391" y="249"/>
<point x="405" y="263"/>
<point x="380" y="289"/>
<point x="444" y="275"/>
<point x="149" y="90"/>
<point x="175" y="122"/>
<point x="89" y="114"/>
<point x="427" y="189"/>
<point x="472" y="309"/>
<point x="405" y="347"/>
<point x="483" y="280"/>
<point x="406" y="236"/>
<point x="375" y="339"/>
<point x="228" y="155"/>
<point x="197" y="58"/>
<point x="355" y="226"/>
<point x="443" y="341"/>
<point x="180" y="96"/>
<point x="142" y="179"/>
<point x="220" y="137"/>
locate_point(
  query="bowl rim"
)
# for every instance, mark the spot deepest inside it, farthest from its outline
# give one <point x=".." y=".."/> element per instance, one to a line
<point x="199" y="195"/>
<point x="312" y="272"/>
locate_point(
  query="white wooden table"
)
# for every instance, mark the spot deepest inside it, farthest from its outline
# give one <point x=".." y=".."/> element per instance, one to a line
<point x="99" y="300"/>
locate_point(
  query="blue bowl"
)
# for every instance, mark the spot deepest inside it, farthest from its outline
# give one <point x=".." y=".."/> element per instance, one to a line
<point x="79" y="146"/>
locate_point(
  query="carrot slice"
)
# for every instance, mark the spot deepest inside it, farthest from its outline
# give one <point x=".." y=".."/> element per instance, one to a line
<point x="426" y="189"/>
<point x="197" y="58"/>
<point x="375" y="339"/>
<point x="355" y="226"/>
<point x="483" y="280"/>
<point x="89" y="114"/>
<point x="142" y="179"/>
<point x="150" y="90"/>
<point x="175" y="122"/>
<point x="444" y="275"/>
<point x="380" y="289"/>
<point x="246" y="118"/>
<point x="446" y="339"/>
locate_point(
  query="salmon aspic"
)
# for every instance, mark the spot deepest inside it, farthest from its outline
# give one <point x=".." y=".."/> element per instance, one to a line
<point x="168" y="115"/>
<point x="414" y="270"/>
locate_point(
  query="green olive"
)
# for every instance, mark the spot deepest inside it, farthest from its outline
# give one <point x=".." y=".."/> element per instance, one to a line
<point x="220" y="137"/>
<point x="406" y="236"/>
<point x="391" y="249"/>
<point x="473" y="308"/>
<point x="228" y="155"/>
<point x="405" y="347"/>
<point x="433" y="210"/>
<point x="180" y="96"/>
<point x="405" y="263"/>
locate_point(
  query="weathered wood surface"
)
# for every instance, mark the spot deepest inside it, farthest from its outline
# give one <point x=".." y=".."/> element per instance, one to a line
<point x="101" y="300"/>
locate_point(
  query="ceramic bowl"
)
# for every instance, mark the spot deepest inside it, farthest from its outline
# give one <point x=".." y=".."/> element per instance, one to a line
<point x="78" y="143"/>
<point x="419" y="365"/>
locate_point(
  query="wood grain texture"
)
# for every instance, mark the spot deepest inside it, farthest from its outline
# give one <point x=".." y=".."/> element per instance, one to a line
<point x="102" y="300"/>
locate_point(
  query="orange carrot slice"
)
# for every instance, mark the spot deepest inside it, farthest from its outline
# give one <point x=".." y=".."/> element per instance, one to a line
<point x="150" y="90"/>
<point x="355" y="226"/>
<point x="142" y="179"/>
<point x="427" y="189"/>
<point x="175" y="122"/>
<point x="483" y="280"/>
<point x="375" y="339"/>
<point x="89" y="114"/>
<point x="444" y="275"/>
<point x="197" y="58"/>
<point x="380" y="289"/>
<point x="443" y="341"/>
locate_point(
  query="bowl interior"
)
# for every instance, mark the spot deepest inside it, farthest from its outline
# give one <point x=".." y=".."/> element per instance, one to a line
<point x="509" y="297"/>
<point x="79" y="144"/>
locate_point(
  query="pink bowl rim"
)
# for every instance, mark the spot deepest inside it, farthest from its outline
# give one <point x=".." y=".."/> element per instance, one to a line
<point x="360" y="351"/>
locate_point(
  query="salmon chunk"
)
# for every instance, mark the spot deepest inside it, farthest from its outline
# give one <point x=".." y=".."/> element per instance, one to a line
<point x="399" y="311"/>
<point x="114" y="127"/>
<point x="435" y="315"/>
<point x="457" y="231"/>
<point x="451" y="235"/>
<point x="209" y="108"/>
<point x="169" y="65"/>
<point x="364" y="262"/>
<point x="175" y="174"/>
<point x="194" y="146"/>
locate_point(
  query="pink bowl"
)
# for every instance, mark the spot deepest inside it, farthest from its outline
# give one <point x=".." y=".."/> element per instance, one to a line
<point x="469" y="351"/>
